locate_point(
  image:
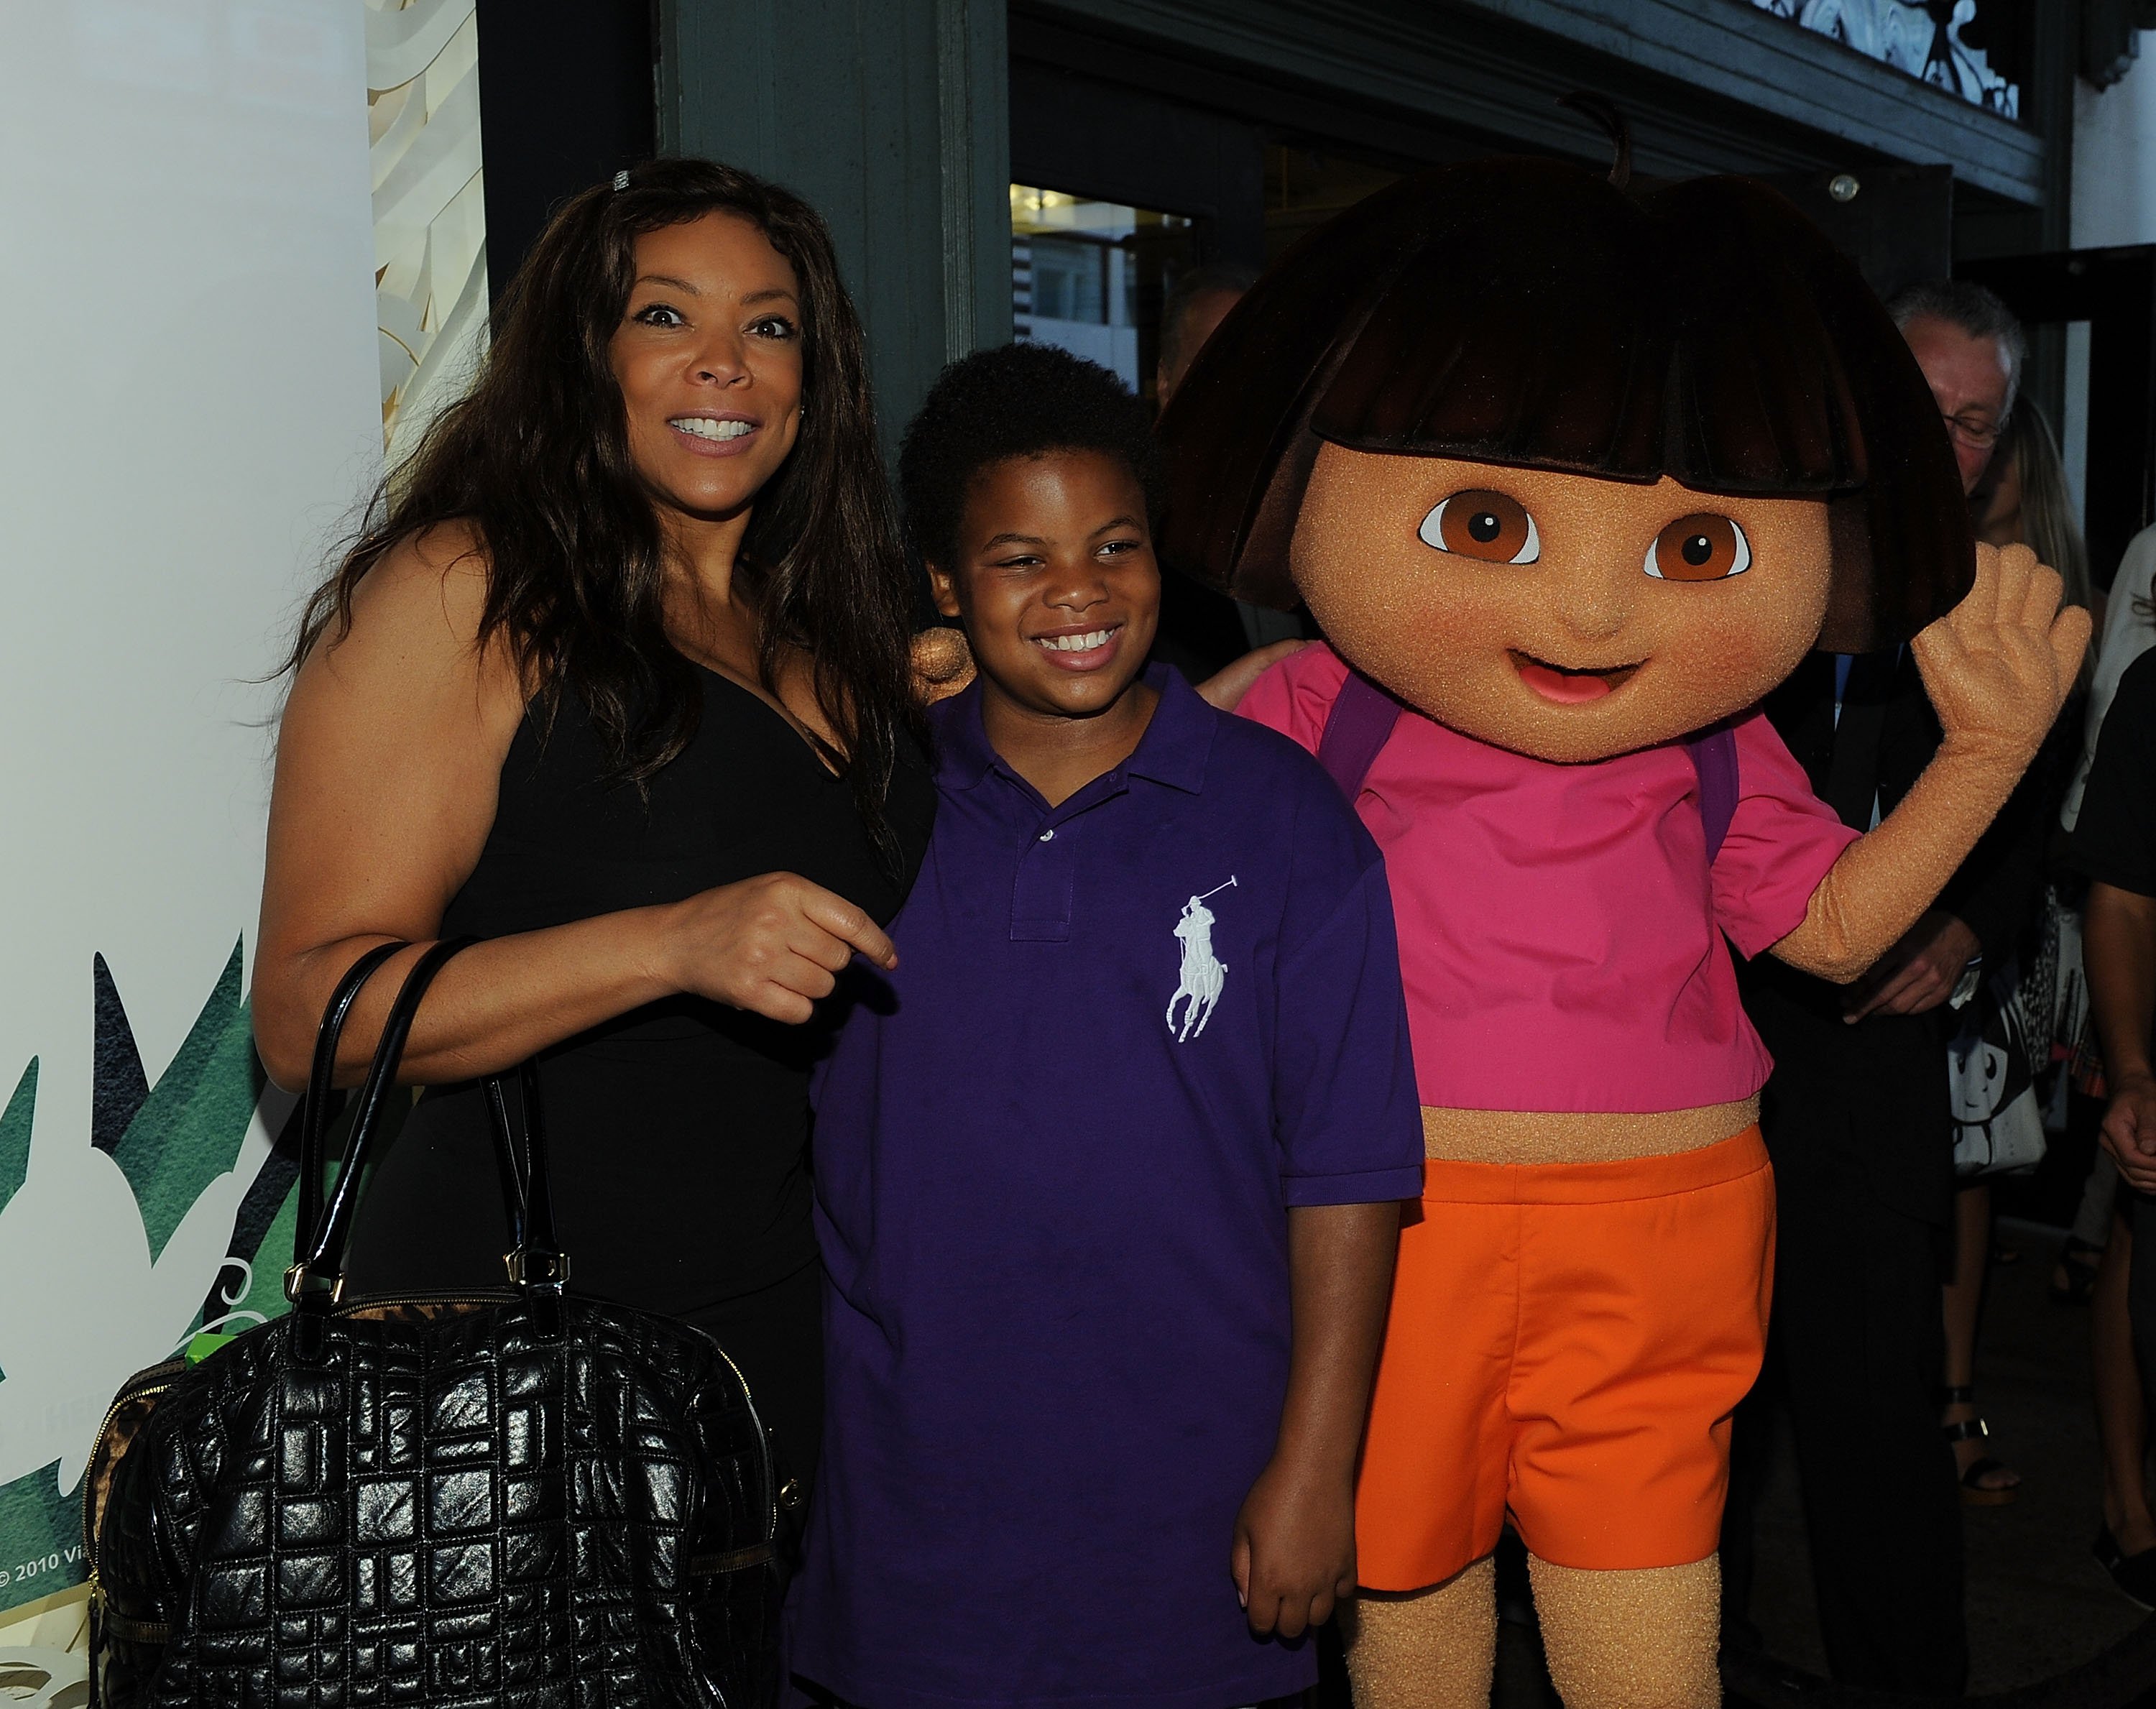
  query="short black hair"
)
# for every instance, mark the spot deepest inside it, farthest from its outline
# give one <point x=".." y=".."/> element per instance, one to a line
<point x="1529" y="312"/>
<point x="1019" y="400"/>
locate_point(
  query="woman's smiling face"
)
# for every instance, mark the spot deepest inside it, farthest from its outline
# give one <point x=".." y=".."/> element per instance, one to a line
<point x="1563" y="616"/>
<point x="708" y="355"/>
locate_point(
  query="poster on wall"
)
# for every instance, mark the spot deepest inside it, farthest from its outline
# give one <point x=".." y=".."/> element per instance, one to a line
<point x="246" y="246"/>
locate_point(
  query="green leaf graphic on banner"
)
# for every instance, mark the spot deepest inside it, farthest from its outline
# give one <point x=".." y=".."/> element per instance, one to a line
<point x="15" y="1133"/>
<point x="177" y="1142"/>
<point x="190" y="1127"/>
<point x="15" y="1151"/>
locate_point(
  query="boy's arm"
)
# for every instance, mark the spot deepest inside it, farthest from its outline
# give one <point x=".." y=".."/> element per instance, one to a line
<point x="1294" y="1539"/>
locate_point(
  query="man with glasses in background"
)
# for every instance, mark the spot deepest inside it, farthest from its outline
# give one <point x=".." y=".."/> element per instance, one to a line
<point x="1855" y="1117"/>
<point x="1971" y="349"/>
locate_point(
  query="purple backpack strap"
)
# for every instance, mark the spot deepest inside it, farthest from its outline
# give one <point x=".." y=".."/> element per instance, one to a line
<point x="1714" y="757"/>
<point x="1358" y="728"/>
<point x="1362" y="717"/>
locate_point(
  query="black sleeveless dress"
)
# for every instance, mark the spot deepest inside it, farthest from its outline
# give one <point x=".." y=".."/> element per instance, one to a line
<point x="678" y="1133"/>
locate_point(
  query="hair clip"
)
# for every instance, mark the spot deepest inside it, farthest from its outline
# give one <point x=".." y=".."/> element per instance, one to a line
<point x="621" y="179"/>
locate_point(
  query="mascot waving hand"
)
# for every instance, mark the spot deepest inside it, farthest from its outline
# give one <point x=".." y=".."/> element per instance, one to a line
<point x="1571" y="476"/>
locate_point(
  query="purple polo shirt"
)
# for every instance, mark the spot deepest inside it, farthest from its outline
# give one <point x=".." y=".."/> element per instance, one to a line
<point x="1054" y="1157"/>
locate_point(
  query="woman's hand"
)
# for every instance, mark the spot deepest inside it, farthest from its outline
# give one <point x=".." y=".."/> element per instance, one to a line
<point x="772" y="945"/>
<point x="1294" y="1557"/>
<point x="1998" y="667"/>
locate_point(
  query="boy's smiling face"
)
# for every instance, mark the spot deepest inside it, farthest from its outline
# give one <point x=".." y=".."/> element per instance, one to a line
<point x="1056" y="580"/>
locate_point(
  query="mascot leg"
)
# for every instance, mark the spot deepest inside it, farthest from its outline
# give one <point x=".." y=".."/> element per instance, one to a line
<point x="1434" y="1648"/>
<point x="1639" y="1640"/>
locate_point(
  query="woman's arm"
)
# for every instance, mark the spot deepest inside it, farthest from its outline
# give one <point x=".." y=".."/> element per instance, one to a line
<point x="387" y="764"/>
<point x="1293" y="1554"/>
<point x="1997" y="669"/>
<point x="2118" y="948"/>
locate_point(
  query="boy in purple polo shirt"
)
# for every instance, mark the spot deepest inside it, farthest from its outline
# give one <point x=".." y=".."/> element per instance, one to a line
<point x="1107" y="1171"/>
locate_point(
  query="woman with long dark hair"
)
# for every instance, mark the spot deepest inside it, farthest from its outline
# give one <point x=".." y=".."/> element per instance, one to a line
<point x="615" y="678"/>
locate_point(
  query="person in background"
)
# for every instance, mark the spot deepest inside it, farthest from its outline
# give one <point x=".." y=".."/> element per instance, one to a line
<point x="2022" y="498"/>
<point x="1971" y="349"/>
<point x="1197" y="303"/>
<point x="2114" y="844"/>
<point x="2097" y="1263"/>
<point x="2025" y="499"/>
<point x="1857" y="1122"/>
<point x="1203" y="631"/>
<point x="2128" y="630"/>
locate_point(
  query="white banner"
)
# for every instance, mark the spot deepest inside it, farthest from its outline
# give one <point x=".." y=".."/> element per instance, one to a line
<point x="190" y="408"/>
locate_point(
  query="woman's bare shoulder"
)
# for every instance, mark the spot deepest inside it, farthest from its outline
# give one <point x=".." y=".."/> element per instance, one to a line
<point x="429" y="588"/>
<point x="415" y="623"/>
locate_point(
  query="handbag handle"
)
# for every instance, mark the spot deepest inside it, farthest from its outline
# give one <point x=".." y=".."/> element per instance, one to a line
<point x="314" y="1120"/>
<point x="316" y="1279"/>
<point x="535" y="1260"/>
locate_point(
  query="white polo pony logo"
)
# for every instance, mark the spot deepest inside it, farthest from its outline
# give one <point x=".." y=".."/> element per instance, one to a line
<point x="1203" y="975"/>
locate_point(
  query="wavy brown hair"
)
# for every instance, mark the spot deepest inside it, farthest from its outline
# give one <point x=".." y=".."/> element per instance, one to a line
<point x="535" y="458"/>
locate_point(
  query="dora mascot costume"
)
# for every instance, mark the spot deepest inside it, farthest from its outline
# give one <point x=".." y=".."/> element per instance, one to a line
<point x="1571" y="476"/>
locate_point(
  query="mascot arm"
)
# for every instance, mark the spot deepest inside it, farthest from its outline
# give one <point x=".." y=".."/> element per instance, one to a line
<point x="1997" y="668"/>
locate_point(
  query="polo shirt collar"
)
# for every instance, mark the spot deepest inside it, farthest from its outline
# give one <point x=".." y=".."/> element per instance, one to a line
<point x="1173" y="749"/>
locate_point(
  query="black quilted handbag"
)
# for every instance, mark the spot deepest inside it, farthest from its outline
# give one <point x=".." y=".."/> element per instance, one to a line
<point x="523" y="1497"/>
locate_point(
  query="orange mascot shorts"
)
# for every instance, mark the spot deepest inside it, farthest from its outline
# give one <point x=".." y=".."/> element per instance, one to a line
<point x="1566" y="1344"/>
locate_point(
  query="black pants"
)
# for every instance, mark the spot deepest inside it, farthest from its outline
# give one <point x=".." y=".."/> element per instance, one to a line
<point x="1856" y="1351"/>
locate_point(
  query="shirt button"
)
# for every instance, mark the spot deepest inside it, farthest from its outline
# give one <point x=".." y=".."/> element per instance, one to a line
<point x="1048" y="835"/>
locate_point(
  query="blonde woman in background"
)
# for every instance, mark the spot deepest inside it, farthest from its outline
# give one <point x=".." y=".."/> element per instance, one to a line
<point x="2026" y="500"/>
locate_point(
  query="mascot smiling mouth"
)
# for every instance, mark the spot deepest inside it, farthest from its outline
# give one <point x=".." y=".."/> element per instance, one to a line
<point x="1566" y="686"/>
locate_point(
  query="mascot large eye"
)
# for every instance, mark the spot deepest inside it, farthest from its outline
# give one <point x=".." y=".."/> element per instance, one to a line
<point x="1702" y="547"/>
<point x="1486" y="524"/>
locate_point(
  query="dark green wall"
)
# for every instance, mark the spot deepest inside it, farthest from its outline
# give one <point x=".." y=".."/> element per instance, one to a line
<point x="891" y="117"/>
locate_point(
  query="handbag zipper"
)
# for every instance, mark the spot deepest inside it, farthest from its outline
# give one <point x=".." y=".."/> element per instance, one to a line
<point x="374" y="1302"/>
<point x="104" y="1618"/>
<point x="134" y="1388"/>
<point x="770" y="1544"/>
